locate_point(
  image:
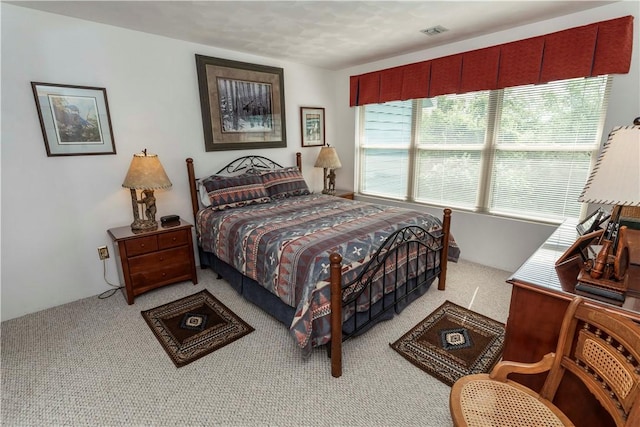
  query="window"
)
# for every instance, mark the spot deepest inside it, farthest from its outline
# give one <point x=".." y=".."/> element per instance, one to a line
<point x="522" y="152"/>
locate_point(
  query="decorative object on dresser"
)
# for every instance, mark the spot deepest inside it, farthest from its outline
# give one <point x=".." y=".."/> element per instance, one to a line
<point x="452" y="342"/>
<point x="615" y="180"/>
<point x="242" y="104"/>
<point x="195" y="326"/>
<point x="328" y="160"/>
<point x="170" y="220"/>
<point x="312" y="126"/>
<point x="600" y="349"/>
<point x="75" y="120"/>
<point x="149" y="259"/>
<point x="147" y="174"/>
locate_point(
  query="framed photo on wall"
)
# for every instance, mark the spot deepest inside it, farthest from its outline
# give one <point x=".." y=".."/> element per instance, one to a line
<point x="312" y="126"/>
<point x="75" y="120"/>
<point x="242" y="104"/>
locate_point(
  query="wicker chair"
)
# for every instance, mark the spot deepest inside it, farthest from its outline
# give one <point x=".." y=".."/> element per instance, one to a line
<point x="600" y="348"/>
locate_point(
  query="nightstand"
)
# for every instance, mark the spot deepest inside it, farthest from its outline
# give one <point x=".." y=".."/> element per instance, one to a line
<point x="150" y="259"/>
<point x="345" y="194"/>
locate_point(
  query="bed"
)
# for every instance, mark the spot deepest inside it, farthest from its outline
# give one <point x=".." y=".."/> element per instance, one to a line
<point x="326" y="267"/>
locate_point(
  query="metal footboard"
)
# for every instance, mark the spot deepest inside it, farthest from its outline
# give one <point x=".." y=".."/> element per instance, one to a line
<point x="410" y="259"/>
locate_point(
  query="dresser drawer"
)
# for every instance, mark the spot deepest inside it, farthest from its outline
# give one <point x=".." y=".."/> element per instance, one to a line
<point x="141" y="245"/>
<point x="157" y="260"/>
<point x="173" y="239"/>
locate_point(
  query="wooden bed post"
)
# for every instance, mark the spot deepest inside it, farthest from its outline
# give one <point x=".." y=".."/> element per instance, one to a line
<point x="336" y="314"/>
<point x="299" y="160"/>
<point x="444" y="254"/>
<point x="192" y="187"/>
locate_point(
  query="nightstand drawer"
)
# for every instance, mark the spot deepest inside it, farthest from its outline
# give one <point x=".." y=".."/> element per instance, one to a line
<point x="165" y="274"/>
<point x="158" y="260"/>
<point x="142" y="245"/>
<point x="173" y="239"/>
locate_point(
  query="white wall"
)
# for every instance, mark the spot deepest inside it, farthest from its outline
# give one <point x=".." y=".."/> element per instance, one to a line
<point x="56" y="210"/>
<point x="488" y="240"/>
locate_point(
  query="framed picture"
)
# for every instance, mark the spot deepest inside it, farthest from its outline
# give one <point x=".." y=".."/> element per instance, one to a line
<point x="75" y="120"/>
<point x="581" y="246"/>
<point x="312" y="126"/>
<point x="242" y="104"/>
<point x="592" y="222"/>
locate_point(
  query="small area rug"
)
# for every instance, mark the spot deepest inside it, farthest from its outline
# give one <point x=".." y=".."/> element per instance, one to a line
<point x="453" y="342"/>
<point x="194" y="326"/>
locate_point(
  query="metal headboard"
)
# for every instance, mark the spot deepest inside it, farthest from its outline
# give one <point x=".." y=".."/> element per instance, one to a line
<point x="247" y="163"/>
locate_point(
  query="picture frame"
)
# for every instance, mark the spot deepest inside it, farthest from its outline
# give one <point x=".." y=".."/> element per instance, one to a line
<point x="581" y="246"/>
<point x="242" y="104"/>
<point x="75" y="120"/>
<point x="312" y="126"/>
<point x="592" y="222"/>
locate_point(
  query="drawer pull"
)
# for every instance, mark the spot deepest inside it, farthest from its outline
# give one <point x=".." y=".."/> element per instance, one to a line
<point x="142" y="245"/>
<point x="174" y="239"/>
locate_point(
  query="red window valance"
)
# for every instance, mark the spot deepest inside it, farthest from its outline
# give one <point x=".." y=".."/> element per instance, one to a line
<point x="591" y="50"/>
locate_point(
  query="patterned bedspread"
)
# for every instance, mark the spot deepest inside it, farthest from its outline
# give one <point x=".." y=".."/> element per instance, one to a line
<point x="285" y="246"/>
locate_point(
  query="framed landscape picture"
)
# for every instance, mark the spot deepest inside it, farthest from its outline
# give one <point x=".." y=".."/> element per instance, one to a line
<point x="74" y="119"/>
<point x="242" y="104"/>
<point x="312" y="126"/>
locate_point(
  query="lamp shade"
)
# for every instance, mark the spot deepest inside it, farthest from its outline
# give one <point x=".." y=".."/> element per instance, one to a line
<point x="615" y="179"/>
<point x="328" y="159"/>
<point x="146" y="173"/>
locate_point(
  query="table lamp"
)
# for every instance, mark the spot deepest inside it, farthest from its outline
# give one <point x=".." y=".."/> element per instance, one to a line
<point x="615" y="180"/>
<point x="328" y="159"/>
<point x="146" y="174"/>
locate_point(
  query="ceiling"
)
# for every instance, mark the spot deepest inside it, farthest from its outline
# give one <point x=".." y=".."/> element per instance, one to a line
<point x="326" y="34"/>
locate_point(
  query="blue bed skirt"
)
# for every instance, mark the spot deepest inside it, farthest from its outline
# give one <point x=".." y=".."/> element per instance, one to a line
<point x="274" y="306"/>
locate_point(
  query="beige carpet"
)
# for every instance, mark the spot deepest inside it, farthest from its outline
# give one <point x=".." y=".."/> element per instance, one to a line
<point x="95" y="362"/>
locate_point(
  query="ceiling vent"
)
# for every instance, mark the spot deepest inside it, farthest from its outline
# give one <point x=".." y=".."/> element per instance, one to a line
<point x="432" y="31"/>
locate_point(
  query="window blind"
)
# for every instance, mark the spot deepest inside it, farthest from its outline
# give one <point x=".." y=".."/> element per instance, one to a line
<point x="521" y="152"/>
<point x="386" y="139"/>
<point x="546" y="139"/>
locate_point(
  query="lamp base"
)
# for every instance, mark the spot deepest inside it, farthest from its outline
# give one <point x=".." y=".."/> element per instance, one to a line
<point x="149" y="201"/>
<point x="140" y="225"/>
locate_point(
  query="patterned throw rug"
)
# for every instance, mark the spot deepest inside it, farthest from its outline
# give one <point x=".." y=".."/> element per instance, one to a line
<point x="194" y="326"/>
<point x="453" y="342"/>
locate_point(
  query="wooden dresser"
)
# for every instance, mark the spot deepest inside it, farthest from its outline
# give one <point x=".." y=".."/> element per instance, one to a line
<point x="150" y="259"/>
<point x="538" y="303"/>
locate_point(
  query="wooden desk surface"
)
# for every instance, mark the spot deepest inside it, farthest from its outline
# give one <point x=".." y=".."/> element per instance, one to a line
<point x="539" y="270"/>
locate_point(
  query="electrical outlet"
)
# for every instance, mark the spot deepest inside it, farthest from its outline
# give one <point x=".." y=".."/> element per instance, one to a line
<point x="103" y="252"/>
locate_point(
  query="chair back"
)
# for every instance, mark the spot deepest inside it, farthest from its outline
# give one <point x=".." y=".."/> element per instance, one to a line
<point x="602" y="349"/>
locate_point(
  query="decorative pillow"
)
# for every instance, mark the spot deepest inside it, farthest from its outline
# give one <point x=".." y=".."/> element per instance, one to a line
<point x="203" y="195"/>
<point x="284" y="183"/>
<point x="227" y="192"/>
